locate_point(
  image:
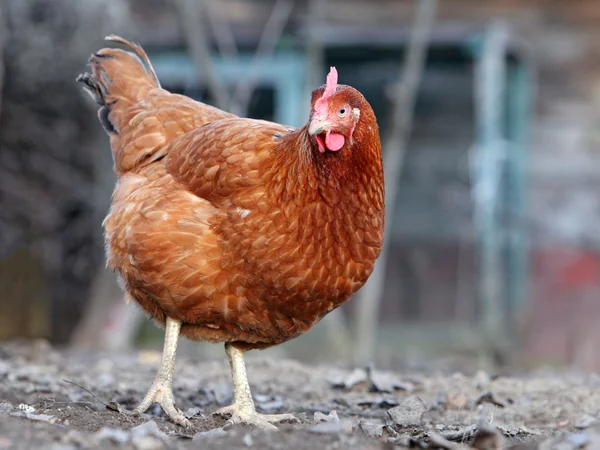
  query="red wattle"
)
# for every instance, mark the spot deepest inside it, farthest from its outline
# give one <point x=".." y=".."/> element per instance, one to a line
<point x="334" y="141"/>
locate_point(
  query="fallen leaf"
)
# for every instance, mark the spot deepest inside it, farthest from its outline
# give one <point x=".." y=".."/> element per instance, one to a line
<point x="460" y="434"/>
<point x="387" y="382"/>
<point x="385" y="403"/>
<point x="352" y="379"/>
<point x="438" y="441"/>
<point x="116" y="407"/>
<point x="491" y="397"/>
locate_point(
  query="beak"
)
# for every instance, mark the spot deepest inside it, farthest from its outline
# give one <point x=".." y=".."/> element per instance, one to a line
<point x="317" y="126"/>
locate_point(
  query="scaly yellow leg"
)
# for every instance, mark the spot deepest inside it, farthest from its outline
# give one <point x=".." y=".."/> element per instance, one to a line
<point x="243" y="410"/>
<point x="161" y="391"/>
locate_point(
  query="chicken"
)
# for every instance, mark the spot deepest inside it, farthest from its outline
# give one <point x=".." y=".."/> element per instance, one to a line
<point x="234" y="230"/>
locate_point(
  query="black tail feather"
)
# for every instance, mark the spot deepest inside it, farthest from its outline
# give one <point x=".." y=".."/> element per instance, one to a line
<point x="91" y="87"/>
<point x="97" y="93"/>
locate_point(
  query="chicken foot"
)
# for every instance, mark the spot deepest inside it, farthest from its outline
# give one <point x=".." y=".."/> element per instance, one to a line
<point x="243" y="410"/>
<point x="161" y="391"/>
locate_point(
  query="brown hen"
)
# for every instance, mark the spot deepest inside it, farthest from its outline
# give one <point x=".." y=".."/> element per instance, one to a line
<point x="235" y="230"/>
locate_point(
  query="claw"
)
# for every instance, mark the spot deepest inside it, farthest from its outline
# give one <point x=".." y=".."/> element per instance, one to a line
<point x="243" y="410"/>
<point x="163" y="395"/>
<point x="249" y="416"/>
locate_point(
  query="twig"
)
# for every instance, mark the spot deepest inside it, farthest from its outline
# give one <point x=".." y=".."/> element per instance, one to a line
<point x="2" y="43"/>
<point x="54" y="402"/>
<point x="222" y="32"/>
<point x="189" y="15"/>
<point x="438" y="441"/>
<point x="317" y="13"/>
<point x="108" y="406"/>
<point x="395" y="150"/>
<point x="266" y="47"/>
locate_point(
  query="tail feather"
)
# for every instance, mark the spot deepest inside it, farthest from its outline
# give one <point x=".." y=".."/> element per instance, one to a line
<point x="118" y="79"/>
<point x="139" y="51"/>
<point x="139" y="117"/>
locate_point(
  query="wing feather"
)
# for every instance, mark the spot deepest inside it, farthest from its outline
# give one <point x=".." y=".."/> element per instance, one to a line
<point x="224" y="156"/>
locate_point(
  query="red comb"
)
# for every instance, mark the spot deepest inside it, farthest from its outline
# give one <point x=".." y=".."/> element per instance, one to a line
<point x="331" y="83"/>
<point x="330" y="87"/>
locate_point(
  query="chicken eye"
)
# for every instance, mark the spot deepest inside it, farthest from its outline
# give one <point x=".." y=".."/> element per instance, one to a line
<point x="342" y="112"/>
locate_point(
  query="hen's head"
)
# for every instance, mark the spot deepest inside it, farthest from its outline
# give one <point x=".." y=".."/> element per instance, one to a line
<point x="338" y="111"/>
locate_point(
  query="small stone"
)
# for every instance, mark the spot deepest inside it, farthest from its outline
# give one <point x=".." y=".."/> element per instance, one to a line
<point x="262" y="398"/>
<point x="63" y="447"/>
<point x="147" y="443"/>
<point x="409" y="412"/>
<point x="270" y="406"/>
<point x="149" y="428"/>
<point x="373" y="430"/>
<point x="6" y="407"/>
<point x="327" y="428"/>
<point x="112" y="434"/>
<point x="41" y="417"/>
<point x="210" y="433"/>
<point x="578" y="440"/>
<point x="247" y="440"/>
<point x="587" y="421"/>
<point x="193" y="412"/>
<point x="331" y="417"/>
<point x="26" y="408"/>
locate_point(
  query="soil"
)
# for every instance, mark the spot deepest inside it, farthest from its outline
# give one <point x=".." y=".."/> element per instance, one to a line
<point x="59" y="400"/>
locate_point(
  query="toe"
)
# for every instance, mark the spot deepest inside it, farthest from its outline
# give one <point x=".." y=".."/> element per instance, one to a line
<point x="181" y="420"/>
<point x="253" y="420"/>
<point x="226" y="411"/>
<point x="276" y="418"/>
<point x="175" y="415"/>
<point x="241" y="416"/>
<point x="263" y="424"/>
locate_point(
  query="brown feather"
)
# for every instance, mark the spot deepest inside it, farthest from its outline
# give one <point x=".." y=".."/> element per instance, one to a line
<point x="239" y="228"/>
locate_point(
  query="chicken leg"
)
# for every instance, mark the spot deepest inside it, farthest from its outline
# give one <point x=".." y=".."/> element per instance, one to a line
<point x="243" y="410"/>
<point x="161" y="391"/>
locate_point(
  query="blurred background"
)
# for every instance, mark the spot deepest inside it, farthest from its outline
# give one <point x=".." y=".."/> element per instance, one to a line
<point x="489" y="112"/>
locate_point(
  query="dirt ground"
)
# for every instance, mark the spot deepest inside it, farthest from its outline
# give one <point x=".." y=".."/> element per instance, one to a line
<point x="67" y="401"/>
